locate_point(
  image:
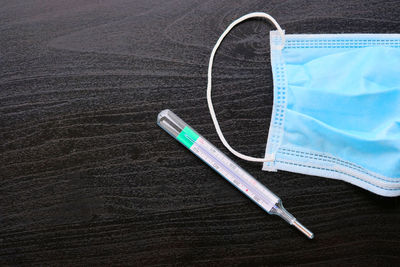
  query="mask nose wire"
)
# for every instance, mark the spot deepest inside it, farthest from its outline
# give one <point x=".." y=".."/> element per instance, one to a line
<point x="268" y="157"/>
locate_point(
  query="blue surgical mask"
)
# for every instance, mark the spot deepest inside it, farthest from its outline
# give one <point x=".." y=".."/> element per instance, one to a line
<point x="336" y="111"/>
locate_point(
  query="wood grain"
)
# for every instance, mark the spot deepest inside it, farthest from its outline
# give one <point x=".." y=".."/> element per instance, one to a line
<point x="87" y="177"/>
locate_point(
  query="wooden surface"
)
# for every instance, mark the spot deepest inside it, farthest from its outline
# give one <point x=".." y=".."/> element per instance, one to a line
<point x="88" y="178"/>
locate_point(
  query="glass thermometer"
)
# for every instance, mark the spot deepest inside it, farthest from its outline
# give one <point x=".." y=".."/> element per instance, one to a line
<point x="228" y="169"/>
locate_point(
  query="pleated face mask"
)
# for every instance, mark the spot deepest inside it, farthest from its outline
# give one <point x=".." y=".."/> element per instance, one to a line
<point x="336" y="110"/>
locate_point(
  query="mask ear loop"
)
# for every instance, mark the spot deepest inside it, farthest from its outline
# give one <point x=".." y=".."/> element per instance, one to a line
<point x="267" y="158"/>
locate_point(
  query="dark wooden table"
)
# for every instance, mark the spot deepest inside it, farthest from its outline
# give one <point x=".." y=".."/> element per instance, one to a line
<point x="88" y="178"/>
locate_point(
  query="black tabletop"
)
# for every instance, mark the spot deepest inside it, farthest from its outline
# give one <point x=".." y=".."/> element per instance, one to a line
<point x="88" y="178"/>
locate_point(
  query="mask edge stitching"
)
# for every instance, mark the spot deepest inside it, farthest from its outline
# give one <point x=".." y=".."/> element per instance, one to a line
<point x="346" y="42"/>
<point x="339" y="162"/>
<point x="279" y="104"/>
<point x="332" y="170"/>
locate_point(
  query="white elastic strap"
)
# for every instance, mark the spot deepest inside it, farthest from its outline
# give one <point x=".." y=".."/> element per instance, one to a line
<point x="267" y="158"/>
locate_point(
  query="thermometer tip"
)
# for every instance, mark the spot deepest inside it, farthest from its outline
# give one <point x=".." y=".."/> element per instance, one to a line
<point x="303" y="229"/>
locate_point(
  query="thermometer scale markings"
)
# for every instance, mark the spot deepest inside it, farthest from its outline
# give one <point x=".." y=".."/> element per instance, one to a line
<point x="228" y="162"/>
<point x="218" y="161"/>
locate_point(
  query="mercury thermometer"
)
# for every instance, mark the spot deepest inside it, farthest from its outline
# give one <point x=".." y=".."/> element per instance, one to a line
<point x="228" y="169"/>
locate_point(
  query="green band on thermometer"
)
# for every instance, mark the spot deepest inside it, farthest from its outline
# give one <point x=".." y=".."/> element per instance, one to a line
<point x="228" y="169"/>
<point x="187" y="137"/>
